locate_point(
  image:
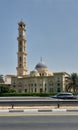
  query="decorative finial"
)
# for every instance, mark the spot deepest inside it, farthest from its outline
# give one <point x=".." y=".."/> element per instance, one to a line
<point x="41" y="59"/>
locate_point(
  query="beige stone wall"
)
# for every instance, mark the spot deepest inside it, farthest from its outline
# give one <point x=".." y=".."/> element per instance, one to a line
<point x="40" y="83"/>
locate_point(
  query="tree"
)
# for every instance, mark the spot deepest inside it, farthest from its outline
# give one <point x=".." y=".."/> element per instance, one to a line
<point x="73" y="82"/>
<point x="1" y="79"/>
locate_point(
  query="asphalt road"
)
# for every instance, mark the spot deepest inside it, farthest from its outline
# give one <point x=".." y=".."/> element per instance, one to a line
<point x="37" y="122"/>
<point x="26" y="98"/>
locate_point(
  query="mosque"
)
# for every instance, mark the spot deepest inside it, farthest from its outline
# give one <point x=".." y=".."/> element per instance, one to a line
<point x="41" y="79"/>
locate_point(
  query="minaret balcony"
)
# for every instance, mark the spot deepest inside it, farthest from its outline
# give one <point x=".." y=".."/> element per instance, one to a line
<point x="21" y="38"/>
<point x="22" y="53"/>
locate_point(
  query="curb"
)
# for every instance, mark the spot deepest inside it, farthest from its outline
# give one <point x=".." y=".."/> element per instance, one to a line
<point x="72" y="110"/>
<point x="16" y="110"/>
<point x="59" y="110"/>
<point x="4" y="111"/>
<point x="30" y="110"/>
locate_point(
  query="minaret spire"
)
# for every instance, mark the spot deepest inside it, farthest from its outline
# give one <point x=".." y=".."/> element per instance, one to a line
<point x="41" y="59"/>
<point x="21" y="54"/>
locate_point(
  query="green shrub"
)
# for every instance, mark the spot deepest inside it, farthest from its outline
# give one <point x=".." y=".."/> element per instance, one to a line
<point x="27" y="94"/>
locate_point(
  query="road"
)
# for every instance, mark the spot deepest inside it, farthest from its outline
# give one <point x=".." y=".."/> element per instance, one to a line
<point x="38" y="122"/>
<point x="28" y="98"/>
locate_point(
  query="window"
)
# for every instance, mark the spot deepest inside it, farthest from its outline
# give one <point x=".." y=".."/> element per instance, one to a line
<point x="45" y="89"/>
<point x="25" y="90"/>
<point x="35" y="84"/>
<point x="40" y="74"/>
<point x="58" y="90"/>
<point x="41" y="90"/>
<point x="20" y="58"/>
<point x="35" y="90"/>
<point x="20" y="43"/>
<point x="58" y="84"/>
<point x="20" y="49"/>
<point x="20" y="33"/>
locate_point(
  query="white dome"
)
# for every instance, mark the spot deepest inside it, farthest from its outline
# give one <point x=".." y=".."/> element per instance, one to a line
<point x="43" y="69"/>
<point x="34" y="73"/>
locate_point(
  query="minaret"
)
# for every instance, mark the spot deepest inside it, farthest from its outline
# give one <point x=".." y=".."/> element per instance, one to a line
<point x="21" y="54"/>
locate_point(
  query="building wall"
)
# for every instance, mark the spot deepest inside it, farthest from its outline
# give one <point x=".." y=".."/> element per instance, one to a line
<point x="55" y="83"/>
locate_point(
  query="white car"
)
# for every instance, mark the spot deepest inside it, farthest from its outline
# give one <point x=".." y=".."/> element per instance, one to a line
<point x="64" y="96"/>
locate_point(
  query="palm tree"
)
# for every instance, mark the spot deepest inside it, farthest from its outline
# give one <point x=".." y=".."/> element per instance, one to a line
<point x="73" y="82"/>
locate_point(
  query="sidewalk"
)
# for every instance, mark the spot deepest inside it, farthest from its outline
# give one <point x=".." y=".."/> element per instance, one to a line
<point x="38" y="107"/>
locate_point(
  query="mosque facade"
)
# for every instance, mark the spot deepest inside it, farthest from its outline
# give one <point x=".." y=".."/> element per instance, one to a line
<point x="41" y="79"/>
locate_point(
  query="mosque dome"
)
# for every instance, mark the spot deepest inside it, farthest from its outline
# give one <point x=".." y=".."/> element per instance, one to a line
<point x="43" y="69"/>
<point x="41" y="65"/>
<point x="34" y="73"/>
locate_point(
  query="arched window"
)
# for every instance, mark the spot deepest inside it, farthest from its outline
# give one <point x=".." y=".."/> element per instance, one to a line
<point x="58" y="90"/>
<point x="20" y="49"/>
<point x="20" y="58"/>
<point x="20" y="43"/>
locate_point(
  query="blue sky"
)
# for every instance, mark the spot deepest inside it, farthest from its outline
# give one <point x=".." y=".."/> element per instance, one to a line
<point x="51" y="31"/>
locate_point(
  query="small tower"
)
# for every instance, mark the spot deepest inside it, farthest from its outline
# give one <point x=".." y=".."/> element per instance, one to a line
<point x="21" y="54"/>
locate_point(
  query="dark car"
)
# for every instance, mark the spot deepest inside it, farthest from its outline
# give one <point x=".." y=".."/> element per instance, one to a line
<point x="64" y="96"/>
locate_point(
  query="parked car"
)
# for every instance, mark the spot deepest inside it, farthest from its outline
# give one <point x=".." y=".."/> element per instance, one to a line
<point x="64" y="96"/>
